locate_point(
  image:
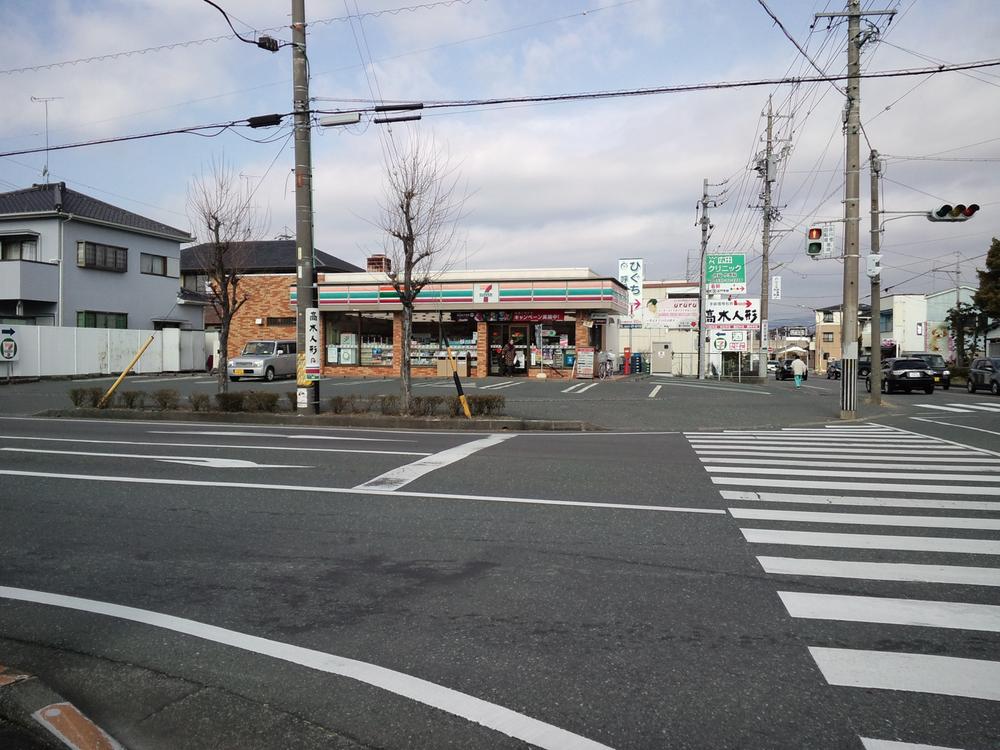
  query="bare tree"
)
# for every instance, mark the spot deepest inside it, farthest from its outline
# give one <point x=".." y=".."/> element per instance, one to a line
<point x="420" y="212"/>
<point x="220" y="210"/>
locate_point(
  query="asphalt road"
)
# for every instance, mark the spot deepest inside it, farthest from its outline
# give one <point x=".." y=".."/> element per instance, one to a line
<point x="192" y="585"/>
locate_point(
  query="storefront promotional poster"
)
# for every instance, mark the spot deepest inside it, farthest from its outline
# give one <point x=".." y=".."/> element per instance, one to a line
<point x="630" y="273"/>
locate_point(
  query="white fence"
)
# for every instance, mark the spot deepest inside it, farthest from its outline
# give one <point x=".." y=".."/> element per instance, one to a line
<point x="47" y="351"/>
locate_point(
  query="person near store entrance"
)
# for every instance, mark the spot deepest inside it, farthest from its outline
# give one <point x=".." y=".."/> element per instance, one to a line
<point x="508" y="355"/>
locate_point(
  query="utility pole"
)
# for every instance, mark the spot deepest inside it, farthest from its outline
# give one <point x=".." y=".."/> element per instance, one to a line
<point x="767" y="170"/>
<point x="852" y="189"/>
<point x="701" y="285"/>
<point x="875" y="374"/>
<point x="308" y="390"/>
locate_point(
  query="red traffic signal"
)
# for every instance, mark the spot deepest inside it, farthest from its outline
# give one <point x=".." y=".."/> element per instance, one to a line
<point x="814" y="241"/>
<point x="958" y="212"/>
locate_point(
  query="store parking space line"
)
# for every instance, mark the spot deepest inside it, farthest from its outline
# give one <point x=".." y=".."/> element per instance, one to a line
<point x="887" y="611"/>
<point x="573" y="387"/>
<point x="918" y="673"/>
<point x="656" y="389"/>
<point x="584" y="389"/>
<point x="963" y="575"/>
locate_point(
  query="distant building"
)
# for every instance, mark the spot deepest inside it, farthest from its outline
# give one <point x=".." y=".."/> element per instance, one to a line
<point x="379" y="264"/>
<point x="68" y="259"/>
<point x="827" y="345"/>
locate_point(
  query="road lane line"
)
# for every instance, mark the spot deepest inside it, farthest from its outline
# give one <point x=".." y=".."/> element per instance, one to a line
<point x="945" y="441"/>
<point x="718" y="388"/>
<point x="960" y="426"/>
<point x="915" y="673"/>
<point x="871" y="474"/>
<point x="403" y="475"/>
<point x="887" y="611"/>
<point x="963" y="575"/>
<point x="994" y="408"/>
<point x="656" y="389"/>
<point x="359" y="491"/>
<point x="870" y="744"/>
<point x="208" y="462"/>
<point x="226" y="446"/>
<point x="865" y="519"/>
<point x="941" y="408"/>
<point x="872" y="541"/>
<point x="459" y="704"/>
<point x="936" y="489"/>
<point x="243" y="433"/>
<point x="867" y="501"/>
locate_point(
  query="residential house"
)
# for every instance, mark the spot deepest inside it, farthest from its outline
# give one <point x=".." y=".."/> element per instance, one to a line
<point x="918" y="322"/>
<point x="828" y="334"/>
<point x="67" y="259"/>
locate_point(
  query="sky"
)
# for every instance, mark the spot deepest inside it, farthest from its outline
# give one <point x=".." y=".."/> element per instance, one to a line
<point x="567" y="184"/>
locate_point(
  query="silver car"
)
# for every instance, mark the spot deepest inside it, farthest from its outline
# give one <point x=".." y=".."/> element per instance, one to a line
<point x="264" y="359"/>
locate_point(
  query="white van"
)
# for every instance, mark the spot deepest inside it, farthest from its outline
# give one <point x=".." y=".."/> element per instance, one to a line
<point x="264" y="359"/>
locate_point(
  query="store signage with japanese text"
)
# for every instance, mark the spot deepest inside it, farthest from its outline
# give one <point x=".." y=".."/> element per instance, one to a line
<point x="631" y="274"/>
<point x="733" y="314"/>
<point x="503" y="316"/>
<point x="671" y="313"/>
<point x="313" y="352"/>
<point x="730" y="341"/>
<point x="585" y="362"/>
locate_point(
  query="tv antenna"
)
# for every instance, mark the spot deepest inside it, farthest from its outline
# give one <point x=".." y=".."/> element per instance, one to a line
<point x="45" y="100"/>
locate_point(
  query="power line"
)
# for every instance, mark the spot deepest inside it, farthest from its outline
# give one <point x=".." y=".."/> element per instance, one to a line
<point x="797" y="45"/>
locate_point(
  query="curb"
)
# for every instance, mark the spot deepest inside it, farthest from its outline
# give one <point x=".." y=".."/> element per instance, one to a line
<point x="333" y="420"/>
<point x="43" y="719"/>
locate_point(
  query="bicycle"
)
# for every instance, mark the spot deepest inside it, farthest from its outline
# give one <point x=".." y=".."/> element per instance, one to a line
<point x="604" y="369"/>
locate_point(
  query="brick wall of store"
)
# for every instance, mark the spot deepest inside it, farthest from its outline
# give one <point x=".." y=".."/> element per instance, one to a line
<point x="267" y="297"/>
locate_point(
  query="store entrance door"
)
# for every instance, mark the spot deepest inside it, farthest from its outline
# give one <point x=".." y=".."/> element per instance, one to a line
<point x="499" y="335"/>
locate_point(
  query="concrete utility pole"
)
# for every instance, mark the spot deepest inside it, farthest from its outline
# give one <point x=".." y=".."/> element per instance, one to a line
<point x="876" y="326"/>
<point x="308" y="391"/>
<point x="852" y="189"/>
<point x="768" y="173"/>
<point x="701" y="284"/>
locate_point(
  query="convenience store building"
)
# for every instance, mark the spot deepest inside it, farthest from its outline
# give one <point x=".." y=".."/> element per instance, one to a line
<point x="548" y="313"/>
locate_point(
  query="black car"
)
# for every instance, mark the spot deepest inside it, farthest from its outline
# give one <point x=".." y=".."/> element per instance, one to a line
<point x="935" y="362"/>
<point x="984" y="373"/>
<point x="785" y="372"/>
<point x="833" y="371"/>
<point x="864" y="367"/>
<point x="904" y="374"/>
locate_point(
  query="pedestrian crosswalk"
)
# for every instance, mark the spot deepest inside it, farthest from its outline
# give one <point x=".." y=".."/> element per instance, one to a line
<point x="964" y="408"/>
<point x="911" y="521"/>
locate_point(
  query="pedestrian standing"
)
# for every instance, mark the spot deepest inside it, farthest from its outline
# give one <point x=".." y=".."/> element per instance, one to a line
<point x="508" y="355"/>
<point x="798" y="370"/>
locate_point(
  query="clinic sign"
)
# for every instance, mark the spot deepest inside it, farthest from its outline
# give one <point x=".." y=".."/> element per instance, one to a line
<point x="631" y="275"/>
<point x="8" y="345"/>
<point x="726" y="274"/>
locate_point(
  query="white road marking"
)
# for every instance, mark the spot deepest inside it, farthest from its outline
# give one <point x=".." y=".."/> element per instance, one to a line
<point x="870" y="744"/>
<point x="358" y="491"/>
<point x="208" y="462"/>
<point x="656" y="389"/>
<point x="915" y="612"/>
<point x="868" y="501"/>
<point x="718" y="388"/>
<point x="871" y="474"/>
<point x="963" y="575"/>
<point x="501" y="384"/>
<point x="585" y="388"/>
<point x="829" y="440"/>
<point x="236" y="433"/>
<point x="865" y="519"/>
<point x="219" y="446"/>
<point x="918" y="673"/>
<point x="941" y="408"/>
<point x="971" y="464"/>
<point x="994" y="408"/>
<point x="944" y="450"/>
<point x="403" y="475"/>
<point x="459" y="704"/>
<point x="960" y="426"/>
<point x="573" y="387"/>
<point x="937" y="489"/>
<point x="944" y="441"/>
<point x="872" y="541"/>
<point x="816" y="388"/>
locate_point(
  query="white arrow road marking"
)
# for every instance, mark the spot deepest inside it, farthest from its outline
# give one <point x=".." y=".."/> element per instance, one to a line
<point x="467" y="707"/>
<point x="231" y="433"/>
<point x="403" y="475"/>
<point x="205" y="461"/>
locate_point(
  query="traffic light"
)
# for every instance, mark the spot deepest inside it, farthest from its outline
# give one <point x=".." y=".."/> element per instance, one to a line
<point x="958" y="212"/>
<point x="814" y="242"/>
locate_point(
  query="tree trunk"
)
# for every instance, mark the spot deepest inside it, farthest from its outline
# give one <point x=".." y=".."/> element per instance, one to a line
<point x="224" y="359"/>
<point x="406" y="383"/>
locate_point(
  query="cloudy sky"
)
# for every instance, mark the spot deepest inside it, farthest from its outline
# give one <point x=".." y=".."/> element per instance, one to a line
<point x="578" y="183"/>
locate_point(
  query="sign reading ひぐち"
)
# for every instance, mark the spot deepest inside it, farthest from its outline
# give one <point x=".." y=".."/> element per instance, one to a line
<point x="631" y="275"/>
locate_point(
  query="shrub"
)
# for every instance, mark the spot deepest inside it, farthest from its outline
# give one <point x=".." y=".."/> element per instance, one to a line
<point x="78" y="396"/>
<point x="293" y="399"/>
<point x="389" y="404"/>
<point x="339" y="404"/>
<point x="133" y="399"/>
<point x="200" y="401"/>
<point x="230" y="401"/>
<point x="165" y="399"/>
<point x="94" y="396"/>
<point x="425" y="406"/>
<point x="261" y="401"/>
<point x="491" y="405"/>
<point x="453" y="407"/>
<point x="433" y="404"/>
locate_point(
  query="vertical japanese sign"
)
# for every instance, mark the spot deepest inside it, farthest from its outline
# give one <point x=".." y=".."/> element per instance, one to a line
<point x="630" y="273"/>
<point x="313" y="352"/>
<point x="775" y="287"/>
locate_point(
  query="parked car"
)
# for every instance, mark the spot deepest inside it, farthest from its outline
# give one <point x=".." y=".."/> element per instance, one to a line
<point x="942" y="375"/>
<point x="864" y="367"/>
<point x="833" y="371"/>
<point x="784" y="371"/>
<point x="773" y="365"/>
<point x="984" y="373"/>
<point x="263" y="359"/>
<point x="904" y="374"/>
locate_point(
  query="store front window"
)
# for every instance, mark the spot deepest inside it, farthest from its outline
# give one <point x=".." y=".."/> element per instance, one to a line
<point x="376" y="339"/>
<point x="532" y="334"/>
<point x="434" y="332"/>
